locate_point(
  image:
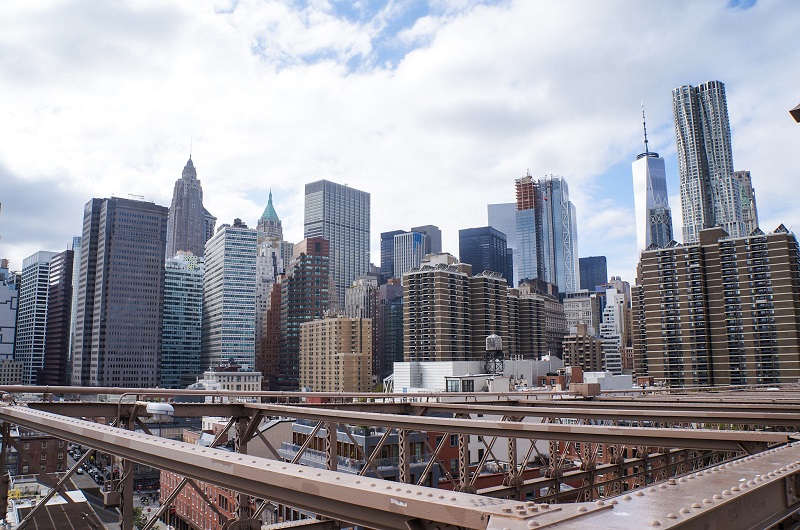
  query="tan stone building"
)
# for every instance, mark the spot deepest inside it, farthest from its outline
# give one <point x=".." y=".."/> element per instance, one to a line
<point x="583" y="349"/>
<point x="723" y="311"/>
<point x="336" y="354"/>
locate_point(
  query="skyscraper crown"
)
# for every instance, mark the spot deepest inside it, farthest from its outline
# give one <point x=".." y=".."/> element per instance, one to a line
<point x="269" y="212"/>
<point x="189" y="171"/>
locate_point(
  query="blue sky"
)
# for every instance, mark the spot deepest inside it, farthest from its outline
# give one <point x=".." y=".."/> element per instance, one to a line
<point x="433" y="107"/>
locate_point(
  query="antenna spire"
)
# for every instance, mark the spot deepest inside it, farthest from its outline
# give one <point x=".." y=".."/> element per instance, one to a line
<point x="191" y="141"/>
<point x="644" y="126"/>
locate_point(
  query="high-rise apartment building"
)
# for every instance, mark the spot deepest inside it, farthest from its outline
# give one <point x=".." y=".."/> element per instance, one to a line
<point x="229" y="299"/>
<point x="120" y="294"/>
<point x="32" y="315"/>
<point x="9" y="303"/>
<point x="335" y="354"/>
<point x="433" y="243"/>
<point x="547" y="234"/>
<point x="594" y="272"/>
<point x="486" y="249"/>
<point x="361" y="301"/>
<point x="710" y="194"/>
<point x="582" y="348"/>
<point x="55" y="369"/>
<point x="488" y="310"/>
<point x="341" y="215"/>
<point x="305" y="296"/>
<point x="722" y="311"/>
<point x="542" y="323"/>
<point x="188" y="224"/>
<point x="612" y="331"/>
<point x="651" y="202"/>
<point x="409" y="251"/>
<point x="436" y="318"/>
<point x="181" y="339"/>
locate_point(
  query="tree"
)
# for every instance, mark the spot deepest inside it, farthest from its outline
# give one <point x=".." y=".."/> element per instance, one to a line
<point x="139" y="519"/>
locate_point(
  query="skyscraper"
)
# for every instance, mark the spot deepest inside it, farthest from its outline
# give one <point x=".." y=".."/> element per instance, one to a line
<point x="409" y="250"/>
<point x="269" y="264"/>
<point x="547" y="233"/>
<point x="341" y="215"/>
<point x="229" y="299"/>
<point x="55" y="370"/>
<point x="188" y="225"/>
<point x="503" y="217"/>
<point x="748" y="201"/>
<point x="120" y="294"/>
<point x="485" y="249"/>
<point x="32" y="316"/>
<point x="594" y="272"/>
<point x="710" y="195"/>
<point x="387" y="255"/>
<point x="182" y="321"/>
<point x="433" y="243"/>
<point x="9" y="303"/>
<point x="653" y="215"/>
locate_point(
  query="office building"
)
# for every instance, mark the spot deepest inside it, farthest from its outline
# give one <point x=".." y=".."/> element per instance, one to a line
<point x="269" y="264"/>
<point x="612" y="331"/>
<point x="305" y="295"/>
<point x="361" y="301"/>
<point x="433" y="243"/>
<point x="390" y="328"/>
<point x="486" y="249"/>
<point x="189" y="225"/>
<point x="582" y="307"/>
<point x="32" y="315"/>
<point x="594" y="272"/>
<point x="120" y="294"/>
<point x="436" y="318"/>
<point x="229" y="300"/>
<point x="76" y="275"/>
<point x="722" y="311"/>
<point x="9" y="303"/>
<point x="503" y="217"/>
<point x="341" y="215"/>
<point x="748" y="201"/>
<point x="409" y="251"/>
<point x="651" y="202"/>
<point x="55" y="368"/>
<point x="710" y="194"/>
<point x="387" y="255"/>
<point x="336" y="354"/>
<point x="547" y="234"/>
<point x="181" y="339"/>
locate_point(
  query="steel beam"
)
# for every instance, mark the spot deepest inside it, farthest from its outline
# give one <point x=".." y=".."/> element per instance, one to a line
<point x="372" y="503"/>
<point x="684" y="438"/>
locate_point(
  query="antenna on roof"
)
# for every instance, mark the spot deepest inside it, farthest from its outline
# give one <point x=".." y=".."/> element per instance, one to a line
<point x="644" y="126"/>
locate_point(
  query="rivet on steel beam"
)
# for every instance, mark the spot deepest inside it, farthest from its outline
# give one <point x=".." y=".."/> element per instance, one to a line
<point x="640" y="494"/>
<point x="672" y="516"/>
<point x="708" y="501"/>
<point x="717" y="496"/>
<point x="626" y="498"/>
<point x="663" y="486"/>
<point x="684" y="510"/>
<point x="581" y="509"/>
<point x="532" y="524"/>
<point x="727" y="492"/>
<point x="600" y="503"/>
<point x="655" y="522"/>
<point x="545" y="506"/>
<point x="735" y="488"/>
<point x="672" y="482"/>
<point x="613" y="502"/>
<point x="507" y="509"/>
<point x="682" y="479"/>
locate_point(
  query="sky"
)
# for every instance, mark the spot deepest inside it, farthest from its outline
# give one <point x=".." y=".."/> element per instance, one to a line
<point x="433" y="107"/>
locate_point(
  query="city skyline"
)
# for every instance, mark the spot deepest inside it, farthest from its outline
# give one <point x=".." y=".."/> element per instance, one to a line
<point x="433" y="110"/>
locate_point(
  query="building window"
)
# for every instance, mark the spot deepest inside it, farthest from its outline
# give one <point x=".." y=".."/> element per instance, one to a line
<point x="453" y="440"/>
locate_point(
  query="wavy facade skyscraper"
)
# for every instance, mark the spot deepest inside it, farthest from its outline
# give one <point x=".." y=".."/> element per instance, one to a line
<point x="710" y="194"/>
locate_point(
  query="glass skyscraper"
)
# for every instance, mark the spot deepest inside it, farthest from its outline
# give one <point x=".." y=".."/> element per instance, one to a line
<point x="32" y="315"/>
<point x="547" y="233"/>
<point x="710" y="195"/>
<point x="653" y="215"/>
<point x="183" y="312"/>
<point x="341" y="215"/>
<point x="485" y="249"/>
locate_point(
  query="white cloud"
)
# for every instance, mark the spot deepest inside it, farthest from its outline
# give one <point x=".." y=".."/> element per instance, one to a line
<point x="104" y="98"/>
